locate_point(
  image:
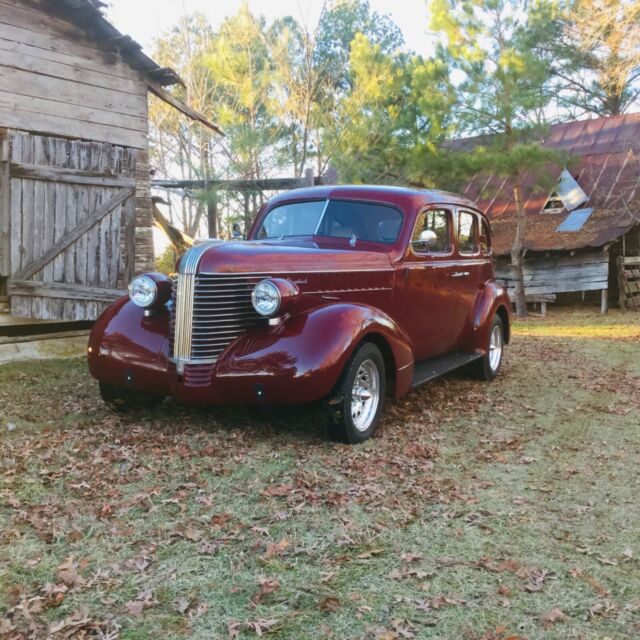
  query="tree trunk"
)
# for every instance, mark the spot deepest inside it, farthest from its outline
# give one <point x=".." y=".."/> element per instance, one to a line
<point x="517" y="254"/>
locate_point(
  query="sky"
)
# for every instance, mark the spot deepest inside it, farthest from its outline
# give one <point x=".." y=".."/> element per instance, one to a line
<point x="145" y="19"/>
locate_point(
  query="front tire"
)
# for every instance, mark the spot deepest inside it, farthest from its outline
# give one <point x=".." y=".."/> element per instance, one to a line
<point x="125" y="400"/>
<point x="356" y="406"/>
<point x="487" y="367"/>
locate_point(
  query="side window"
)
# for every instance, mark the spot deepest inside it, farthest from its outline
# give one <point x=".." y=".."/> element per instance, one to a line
<point x="485" y="237"/>
<point x="438" y="221"/>
<point x="467" y="232"/>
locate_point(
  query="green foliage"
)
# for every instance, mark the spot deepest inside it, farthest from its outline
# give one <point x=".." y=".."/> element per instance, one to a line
<point x="592" y="48"/>
<point x="345" y="93"/>
<point x="166" y="261"/>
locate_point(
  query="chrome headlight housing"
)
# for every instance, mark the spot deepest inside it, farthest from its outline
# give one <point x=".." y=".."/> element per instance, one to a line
<point x="266" y="298"/>
<point x="143" y="291"/>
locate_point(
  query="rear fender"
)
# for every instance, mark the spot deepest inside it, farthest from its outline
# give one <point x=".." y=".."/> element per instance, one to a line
<point x="309" y="351"/>
<point x="491" y="299"/>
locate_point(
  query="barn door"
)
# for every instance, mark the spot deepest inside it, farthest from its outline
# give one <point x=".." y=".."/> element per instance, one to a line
<point x="72" y="225"/>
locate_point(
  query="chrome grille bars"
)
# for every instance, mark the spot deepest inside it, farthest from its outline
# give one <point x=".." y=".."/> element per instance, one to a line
<point x="184" y="303"/>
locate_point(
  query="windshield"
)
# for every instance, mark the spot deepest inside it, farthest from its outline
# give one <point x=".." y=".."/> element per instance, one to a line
<point x="333" y="219"/>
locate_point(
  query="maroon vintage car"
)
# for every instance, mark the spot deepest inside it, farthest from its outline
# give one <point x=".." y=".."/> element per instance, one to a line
<point x="342" y="294"/>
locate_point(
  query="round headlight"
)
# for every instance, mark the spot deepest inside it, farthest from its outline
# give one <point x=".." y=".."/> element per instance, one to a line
<point x="266" y="298"/>
<point x="143" y="291"/>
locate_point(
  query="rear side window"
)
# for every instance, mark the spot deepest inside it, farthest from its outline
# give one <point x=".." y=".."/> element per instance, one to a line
<point x="439" y="222"/>
<point x="467" y="232"/>
<point x="485" y="237"/>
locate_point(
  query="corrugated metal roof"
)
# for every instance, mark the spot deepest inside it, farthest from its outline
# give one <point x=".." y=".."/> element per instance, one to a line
<point x="607" y="170"/>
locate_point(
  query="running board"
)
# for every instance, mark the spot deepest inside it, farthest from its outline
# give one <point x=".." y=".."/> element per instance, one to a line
<point x="431" y="368"/>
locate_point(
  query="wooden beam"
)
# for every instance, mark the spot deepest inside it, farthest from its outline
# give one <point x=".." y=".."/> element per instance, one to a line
<point x="61" y="290"/>
<point x="106" y="208"/>
<point x="265" y="184"/>
<point x="69" y="176"/>
<point x="183" y="107"/>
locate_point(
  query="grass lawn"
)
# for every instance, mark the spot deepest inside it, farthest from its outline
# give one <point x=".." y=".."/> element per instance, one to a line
<point x="481" y="511"/>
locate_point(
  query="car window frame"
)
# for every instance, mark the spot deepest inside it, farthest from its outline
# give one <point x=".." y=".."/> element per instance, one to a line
<point x="474" y="216"/>
<point x="481" y="221"/>
<point x="390" y="205"/>
<point x="411" y="252"/>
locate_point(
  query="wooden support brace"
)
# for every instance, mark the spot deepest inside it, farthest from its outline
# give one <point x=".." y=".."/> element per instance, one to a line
<point x="604" y="301"/>
<point x="31" y="269"/>
<point x="183" y="107"/>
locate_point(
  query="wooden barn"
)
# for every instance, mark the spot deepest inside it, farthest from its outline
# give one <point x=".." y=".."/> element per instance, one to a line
<point x="75" y="202"/>
<point x="582" y="240"/>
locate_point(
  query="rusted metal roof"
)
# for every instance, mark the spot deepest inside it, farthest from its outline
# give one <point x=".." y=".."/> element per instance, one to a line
<point x="607" y="168"/>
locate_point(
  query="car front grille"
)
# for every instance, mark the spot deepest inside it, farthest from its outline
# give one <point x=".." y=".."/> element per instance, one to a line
<point x="209" y="311"/>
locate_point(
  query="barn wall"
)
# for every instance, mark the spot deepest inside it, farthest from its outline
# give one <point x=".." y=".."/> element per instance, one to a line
<point x="560" y="272"/>
<point x="55" y="80"/>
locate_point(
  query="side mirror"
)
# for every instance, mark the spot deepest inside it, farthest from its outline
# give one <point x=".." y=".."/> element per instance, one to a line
<point x="428" y="236"/>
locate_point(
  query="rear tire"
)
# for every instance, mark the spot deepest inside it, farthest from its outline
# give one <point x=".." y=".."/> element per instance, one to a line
<point x="487" y="367"/>
<point x="125" y="400"/>
<point x="357" y="404"/>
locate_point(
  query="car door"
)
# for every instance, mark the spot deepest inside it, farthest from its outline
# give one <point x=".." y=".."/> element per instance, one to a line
<point x="422" y="297"/>
<point x="467" y="275"/>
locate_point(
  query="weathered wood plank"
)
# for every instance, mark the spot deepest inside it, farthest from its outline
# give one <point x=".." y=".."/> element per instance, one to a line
<point x="43" y="65"/>
<point x="5" y="206"/>
<point x="59" y="43"/>
<point x="16" y="210"/>
<point x="114" y="71"/>
<point x="61" y="126"/>
<point x="31" y="269"/>
<point x="67" y="175"/>
<point x="69" y="92"/>
<point x="60" y="290"/>
<point x="49" y="105"/>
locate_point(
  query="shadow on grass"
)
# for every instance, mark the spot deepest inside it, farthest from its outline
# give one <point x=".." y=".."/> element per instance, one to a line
<point x="305" y="424"/>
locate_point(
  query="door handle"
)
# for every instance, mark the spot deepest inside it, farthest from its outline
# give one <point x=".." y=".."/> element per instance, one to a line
<point x="459" y="274"/>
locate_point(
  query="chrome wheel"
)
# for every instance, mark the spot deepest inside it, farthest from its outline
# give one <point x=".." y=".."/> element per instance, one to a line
<point x="495" y="347"/>
<point x="365" y="395"/>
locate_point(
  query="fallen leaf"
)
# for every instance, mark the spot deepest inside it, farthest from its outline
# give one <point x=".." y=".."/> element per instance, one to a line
<point x="68" y="573"/>
<point x="329" y="604"/>
<point x="276" y="548"/>
<point x="134" y="608"/>
<point x="553" y="616"/>
<point x="277" y="490"/>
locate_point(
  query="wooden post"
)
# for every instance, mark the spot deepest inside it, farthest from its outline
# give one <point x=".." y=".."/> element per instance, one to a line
<point x="247" y="217"/>
<point x="309" y="178"/>
<point x="543" y="308"/>
<point x="212" y="214"/>
<point x="5" y="207"/>
<point x="622" y="294"/>
<point x="604" y="301"/>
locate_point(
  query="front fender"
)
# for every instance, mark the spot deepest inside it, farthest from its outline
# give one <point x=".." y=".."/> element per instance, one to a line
<point x="491" y="299"/>
<point x="301" y="359"/>
<point x="128" y="349"/>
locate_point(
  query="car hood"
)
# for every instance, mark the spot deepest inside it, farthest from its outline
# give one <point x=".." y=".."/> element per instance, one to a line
<point x="262" y="257"/>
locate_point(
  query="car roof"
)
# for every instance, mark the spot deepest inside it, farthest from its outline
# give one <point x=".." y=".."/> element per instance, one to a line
<point x="405" y="197"/>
